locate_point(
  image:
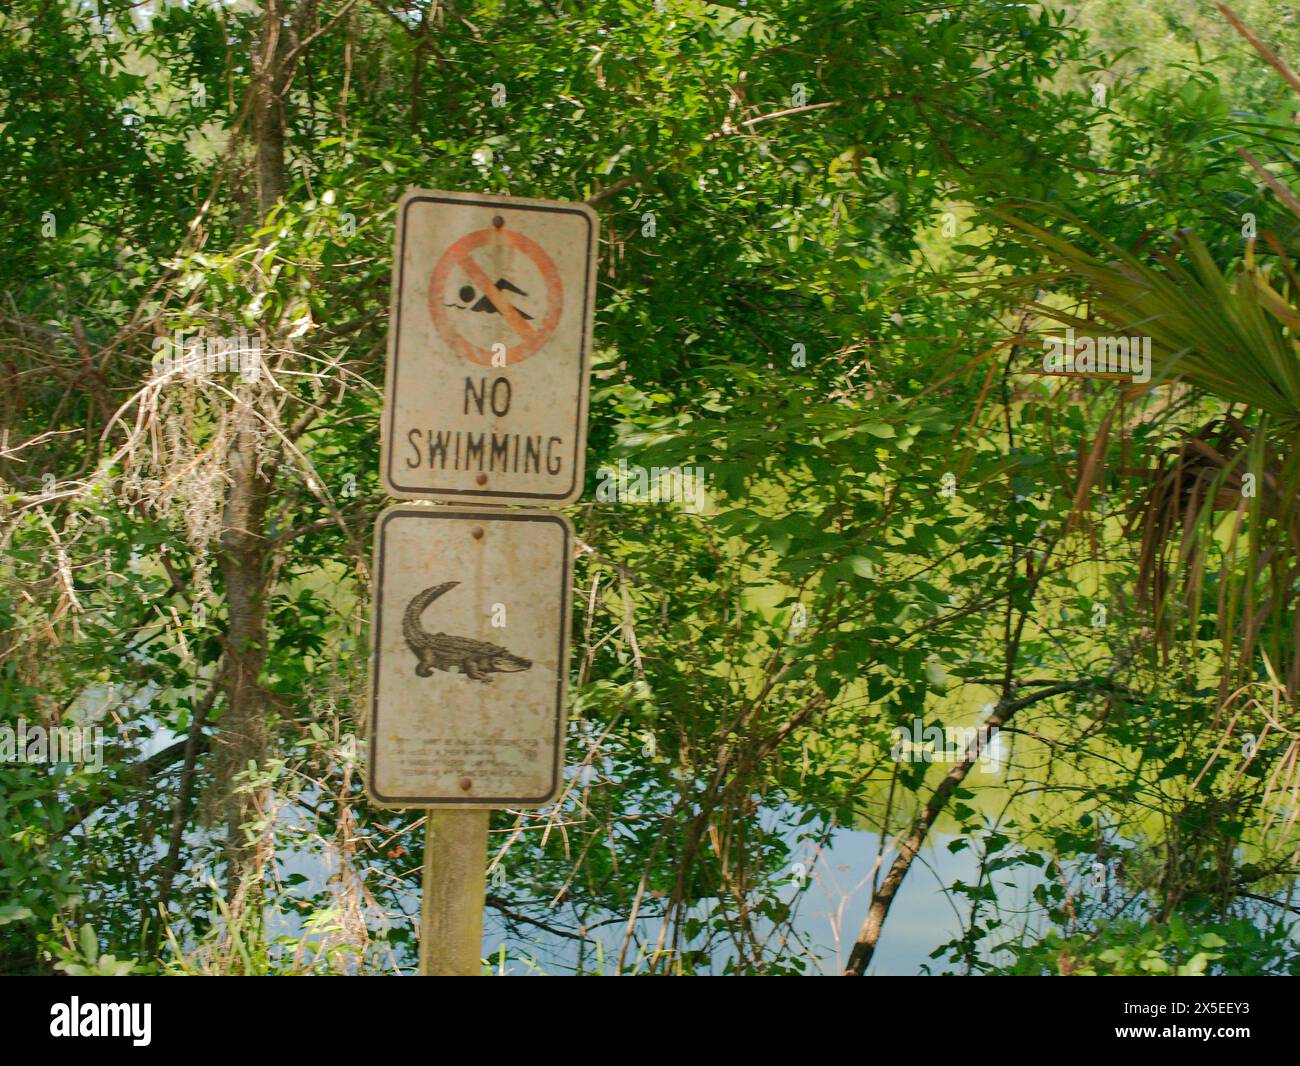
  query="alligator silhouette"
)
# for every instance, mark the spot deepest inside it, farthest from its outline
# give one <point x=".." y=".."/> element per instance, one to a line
<point x="477" y="659"/>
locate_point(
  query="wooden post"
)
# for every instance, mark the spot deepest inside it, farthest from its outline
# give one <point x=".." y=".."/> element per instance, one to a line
<point x="455" y="886"/>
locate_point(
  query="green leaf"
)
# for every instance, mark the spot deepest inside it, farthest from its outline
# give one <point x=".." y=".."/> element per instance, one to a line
<point x="861" y="566"/>
<point x="89" y="943"/>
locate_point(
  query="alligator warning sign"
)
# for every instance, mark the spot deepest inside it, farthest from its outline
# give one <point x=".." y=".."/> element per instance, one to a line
<point x="469" y="657"/>
<point x="489" y="348"/>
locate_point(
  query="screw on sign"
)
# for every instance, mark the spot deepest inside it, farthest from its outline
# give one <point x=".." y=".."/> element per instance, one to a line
<point x="526" y="338"/>
<point x="489" y="349"/>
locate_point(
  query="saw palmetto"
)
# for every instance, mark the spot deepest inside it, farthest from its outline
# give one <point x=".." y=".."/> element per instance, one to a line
<point x="1231" y="488"/>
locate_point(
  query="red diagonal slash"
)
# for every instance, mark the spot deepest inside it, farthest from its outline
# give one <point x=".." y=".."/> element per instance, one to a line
<point x="494" y="294"/>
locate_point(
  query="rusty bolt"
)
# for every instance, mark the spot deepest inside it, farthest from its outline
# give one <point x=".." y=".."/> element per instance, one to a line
<point x="477" y="532"/>
<point x="481" y="479"/>
<point x="466" y="784"/>
<point x="498" y="221"/>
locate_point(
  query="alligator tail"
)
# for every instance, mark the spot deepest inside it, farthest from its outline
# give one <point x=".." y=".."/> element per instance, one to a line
<point x="411" y="628"/>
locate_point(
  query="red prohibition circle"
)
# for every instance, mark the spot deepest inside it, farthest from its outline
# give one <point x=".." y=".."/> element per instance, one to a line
<point x="531" y="338"/>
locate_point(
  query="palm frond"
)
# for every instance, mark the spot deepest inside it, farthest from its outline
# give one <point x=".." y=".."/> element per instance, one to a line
<point x="1232" y="337"/>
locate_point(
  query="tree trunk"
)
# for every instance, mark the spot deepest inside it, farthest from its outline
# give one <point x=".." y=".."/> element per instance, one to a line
<point x="910" y="846"/>
<point x="242" y="738"/>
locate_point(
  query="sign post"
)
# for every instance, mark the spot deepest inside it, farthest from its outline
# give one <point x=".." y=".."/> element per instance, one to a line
<point x="454" y="881"/>
<point x="485" y="405"/>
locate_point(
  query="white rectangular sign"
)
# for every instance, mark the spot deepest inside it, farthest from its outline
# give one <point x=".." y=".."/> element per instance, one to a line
<point x="469" y="657"/>
<point x="489" y="349"/>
